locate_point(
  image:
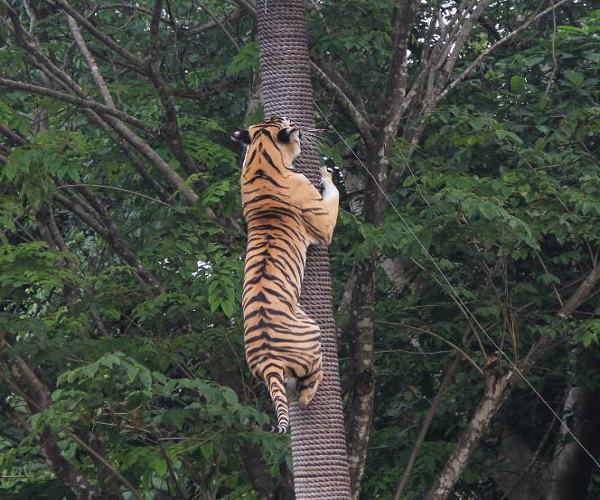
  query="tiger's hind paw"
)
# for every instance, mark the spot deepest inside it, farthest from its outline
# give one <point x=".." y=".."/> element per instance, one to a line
<point x="308" y="388"/>
<point x="291" y="389"/>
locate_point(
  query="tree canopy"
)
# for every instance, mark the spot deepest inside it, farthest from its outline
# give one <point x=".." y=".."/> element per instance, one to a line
<point x="465" y="261"/>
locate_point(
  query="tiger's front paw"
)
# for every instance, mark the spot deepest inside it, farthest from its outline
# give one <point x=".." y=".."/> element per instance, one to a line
<point x="327" y="185"/>
<point x="326" y="175"/>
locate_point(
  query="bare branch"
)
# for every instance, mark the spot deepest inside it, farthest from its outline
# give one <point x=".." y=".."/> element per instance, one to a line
<point x="37" y="396"/>
<point x="581" y="294"/>
<point x="494" y="46"/>
<point x="92" y="452"/>
<point x="170" y="129"/>
<point x="496" y="384"/>
<point x="394" y="100"/>
<point x="138" y="165"/>
<point x="18" y="139"/>
<point x="435" y="403"/>
<point x="90" y="28"/>
<point x="51" y="233"/>
<point x="91" y="62"/>
<point x="352" y="110"/>
<point x="218" y="23"/>
<point x="93" y="213"/>
<point x="457" y="41"/>
<point x="248" y="5"/>
<point x="142" y="146"/>
<point x="445" y="54"/>
<point x="82" y="102"/>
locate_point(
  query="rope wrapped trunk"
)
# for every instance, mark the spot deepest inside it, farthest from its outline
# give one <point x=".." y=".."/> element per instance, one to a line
<point x="318" y="439"/>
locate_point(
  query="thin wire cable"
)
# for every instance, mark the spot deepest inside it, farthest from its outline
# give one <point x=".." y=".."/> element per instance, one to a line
<point x="458" y="300"/>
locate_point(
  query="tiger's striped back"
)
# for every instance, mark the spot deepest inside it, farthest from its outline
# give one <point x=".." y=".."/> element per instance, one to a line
<point x="285" y="214"/>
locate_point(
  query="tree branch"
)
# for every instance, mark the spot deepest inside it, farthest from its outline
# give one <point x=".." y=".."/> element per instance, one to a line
<point x="394" y="95"/>
<point x="80" y="102"/>
<point x="18" y="139"/>
<point x="435" y="403"/>
<point x="353" y="110"/>
<point x="452" y="85"/>
<point x="170" y="130"/>
<point x="498" y="384"/>
<point x="361" y="337"/>
<point x="90" y="28"/>
<point x="94" y="215"/>
<point x="37" y="397"/>
<point x="115" y="122"/>
<point x="91" y="62"/>
<point x="50" y="232"/>
<point x="581" y="294"/>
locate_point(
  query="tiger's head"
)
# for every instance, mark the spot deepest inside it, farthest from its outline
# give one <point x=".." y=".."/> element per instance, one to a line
<point x="277" y="130"/>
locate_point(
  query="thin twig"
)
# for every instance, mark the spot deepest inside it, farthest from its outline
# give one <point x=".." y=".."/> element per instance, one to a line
<point x="493" y="47"/>
<point x="435" y="403"/>
<point x="114" y="188"/>
<point x="437" y="336"/>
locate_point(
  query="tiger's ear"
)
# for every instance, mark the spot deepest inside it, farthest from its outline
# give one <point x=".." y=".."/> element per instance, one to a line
<point x="285" y="134"/>
<point x="242" y="135"/>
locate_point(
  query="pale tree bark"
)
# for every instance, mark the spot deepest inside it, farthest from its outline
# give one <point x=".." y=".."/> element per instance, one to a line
<point x="318" y="441"/>
<point x="499" y="380"/>
<point x="523" y="474"/>
<point x="572" y="466"/>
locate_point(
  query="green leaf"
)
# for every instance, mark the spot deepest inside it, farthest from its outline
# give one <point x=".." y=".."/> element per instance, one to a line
<point x="145" y="378"/>
<point x="575" y="77"/>
<point x="160" y="466"/>
<point x="111" y="360"/>
<point x="207" y="450"/>
<point x="245" y="60"/>
<point x="517" y="84"/>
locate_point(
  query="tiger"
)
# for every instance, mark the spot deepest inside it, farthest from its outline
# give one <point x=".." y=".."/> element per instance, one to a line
<point x="284" y="214"/>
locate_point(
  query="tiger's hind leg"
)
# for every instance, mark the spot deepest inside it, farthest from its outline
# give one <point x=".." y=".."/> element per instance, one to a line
<point x="308" y="388"/>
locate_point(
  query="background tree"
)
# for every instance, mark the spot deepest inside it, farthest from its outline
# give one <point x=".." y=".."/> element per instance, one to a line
<point x="464" y="265"/>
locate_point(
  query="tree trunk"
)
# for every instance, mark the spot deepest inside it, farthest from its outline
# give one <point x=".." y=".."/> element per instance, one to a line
<point x="572" y="465"/>
<point x="318" y="440"/>
<point x="361" y="391"/>
<point x="496" y="383"/>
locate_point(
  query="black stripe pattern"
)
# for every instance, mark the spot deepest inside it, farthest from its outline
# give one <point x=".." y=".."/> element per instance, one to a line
<point x="285" y="214"/>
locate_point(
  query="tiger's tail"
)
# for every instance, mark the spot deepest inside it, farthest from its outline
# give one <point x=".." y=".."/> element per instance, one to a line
<point x="277" y="391"/>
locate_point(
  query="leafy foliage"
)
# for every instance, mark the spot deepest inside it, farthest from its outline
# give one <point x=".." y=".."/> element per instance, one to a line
<point x="123" y="297"/>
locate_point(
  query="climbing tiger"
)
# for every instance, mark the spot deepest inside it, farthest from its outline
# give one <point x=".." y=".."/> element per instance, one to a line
<point x="285" y="213"/>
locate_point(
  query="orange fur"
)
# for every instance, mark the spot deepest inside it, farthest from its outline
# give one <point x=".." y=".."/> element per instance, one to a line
<point x="285" y="214"/>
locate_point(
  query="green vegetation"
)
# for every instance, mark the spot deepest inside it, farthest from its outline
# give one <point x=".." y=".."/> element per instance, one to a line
<point x="121" y="248"/>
